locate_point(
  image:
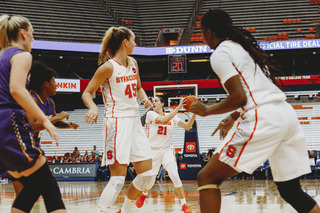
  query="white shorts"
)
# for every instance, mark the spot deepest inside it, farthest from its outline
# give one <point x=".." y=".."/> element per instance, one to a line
<point x="270" y="131"/>
<point x="162" y="156"/>
<point x="124" y="141"/>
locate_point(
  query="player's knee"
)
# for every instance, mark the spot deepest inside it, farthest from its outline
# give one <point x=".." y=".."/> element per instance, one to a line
<point x="202" y="178"/>
<point x="144" y="180"/>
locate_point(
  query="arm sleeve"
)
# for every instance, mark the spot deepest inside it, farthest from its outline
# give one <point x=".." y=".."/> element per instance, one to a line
<point x="222" y="64"/>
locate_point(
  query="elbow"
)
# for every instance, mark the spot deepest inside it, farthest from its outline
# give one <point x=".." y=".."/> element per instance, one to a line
<point x="239" y="101"/>
<point x="14" y="92"/>
<point x="242" y="101"/>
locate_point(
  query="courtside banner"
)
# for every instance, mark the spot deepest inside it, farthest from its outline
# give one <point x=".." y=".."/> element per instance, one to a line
<point x="74" y="170"/>
<point x="68" y="85"/>
<point x="152" y="51"/>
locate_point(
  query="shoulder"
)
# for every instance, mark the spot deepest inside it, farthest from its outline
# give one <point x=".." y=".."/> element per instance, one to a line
<point x="50" y="100"/>
<point x="21" y="56"/>
<point x="105" y="69"/>
<point x="132" y="59"/>
<point x="34" y="97"/>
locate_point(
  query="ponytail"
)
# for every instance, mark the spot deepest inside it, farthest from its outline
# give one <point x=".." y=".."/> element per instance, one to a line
<point x="112" y="42"/>
<point x="4" y="41"/>
<point x="243" y="37"/>
<point x="10" y="27"/>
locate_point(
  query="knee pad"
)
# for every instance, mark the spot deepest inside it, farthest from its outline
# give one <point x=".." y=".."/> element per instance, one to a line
<point x="144" y="180"/>
<point x="111" y="192"/>
<point x="291" y="192"/>
<point x="172" y="170"/>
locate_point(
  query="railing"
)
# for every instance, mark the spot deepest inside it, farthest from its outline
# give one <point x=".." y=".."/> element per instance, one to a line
<point x="112" y="12"/>
<point x="190" y="27"/>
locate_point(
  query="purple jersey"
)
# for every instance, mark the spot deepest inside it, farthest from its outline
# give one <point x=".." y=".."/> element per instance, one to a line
<point x="48" y="109"/>
<point x="18" y="149"/>
<point x="6" y="100"/>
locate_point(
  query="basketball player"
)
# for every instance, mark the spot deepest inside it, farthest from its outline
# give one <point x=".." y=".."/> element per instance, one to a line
<point x="267" y="126"/>
<point x="42" y="85"/>
<point x="159" y="127"/>
<point x="19" y="155"/>
<point x="124" y="137"/>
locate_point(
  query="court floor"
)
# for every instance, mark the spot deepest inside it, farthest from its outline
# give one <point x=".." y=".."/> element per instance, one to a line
<point x="254" y="196"/>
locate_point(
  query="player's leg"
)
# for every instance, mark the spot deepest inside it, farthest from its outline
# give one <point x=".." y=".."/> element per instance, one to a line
<point x="145" y="178"/>
<point x="156" y="163"/>
<point x="291" y="192"/>
<point x="113" y="188"/>
<point x="141" y="158"/>
<point x="172" y="170"/>
<point x="209" y="179"/>
<point x="116" y="155"/>
<point x="293" y="151"/>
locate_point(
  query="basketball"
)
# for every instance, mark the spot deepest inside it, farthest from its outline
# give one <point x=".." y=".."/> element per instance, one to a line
<point x="189" y="101"/>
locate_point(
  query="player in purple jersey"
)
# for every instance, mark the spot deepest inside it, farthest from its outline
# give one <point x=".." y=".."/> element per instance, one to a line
<point x="19" y="155"/>
<point x="42" y="85"/>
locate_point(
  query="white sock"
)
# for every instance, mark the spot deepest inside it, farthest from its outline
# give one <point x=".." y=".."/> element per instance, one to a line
<point x="127" y="205"/>
<point x="183" y="201"/>
<point x="110" y="193"/>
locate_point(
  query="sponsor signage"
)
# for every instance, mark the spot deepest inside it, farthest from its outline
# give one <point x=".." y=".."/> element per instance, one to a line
<point x="68" y="85"/>
<point x="191" y="147"/>
<point x="73" y="170"/>
<point x="192" y="49"/>
<point x="183" y="166"/>
<point x="190" y="155"/>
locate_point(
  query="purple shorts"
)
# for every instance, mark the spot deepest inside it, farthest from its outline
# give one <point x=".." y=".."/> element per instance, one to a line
<point x="18" y="149"/>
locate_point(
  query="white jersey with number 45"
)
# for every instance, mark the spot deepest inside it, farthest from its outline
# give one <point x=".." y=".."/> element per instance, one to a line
<point x="120" y="91"/>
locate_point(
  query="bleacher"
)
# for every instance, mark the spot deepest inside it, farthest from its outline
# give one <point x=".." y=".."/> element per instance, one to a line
<point x="89" y="135"/>
<point x="72" y="20"/>
<point x="268" y="20"/>
<point x="166" y="14"/>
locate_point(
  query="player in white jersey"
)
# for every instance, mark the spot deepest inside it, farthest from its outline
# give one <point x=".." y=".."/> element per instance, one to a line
<point x="267" y="126"/>
<point x="159" y="127"/>
<point x="124" y="138"/>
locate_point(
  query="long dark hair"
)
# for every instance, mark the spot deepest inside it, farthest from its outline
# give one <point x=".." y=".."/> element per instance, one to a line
<point x="219" y="22"/>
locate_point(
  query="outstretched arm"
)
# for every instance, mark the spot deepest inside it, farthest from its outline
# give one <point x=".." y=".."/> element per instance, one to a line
<point x="187" y="125"/>
<point x="165" y="119"/>
<point x="236" y="99"/>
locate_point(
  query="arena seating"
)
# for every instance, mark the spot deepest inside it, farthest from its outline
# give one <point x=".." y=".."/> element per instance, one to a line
<point x="72" y="20"/>
<point x="86" y="21"/>
<point x="89" y="135"/>
<point x="268" y="17"/>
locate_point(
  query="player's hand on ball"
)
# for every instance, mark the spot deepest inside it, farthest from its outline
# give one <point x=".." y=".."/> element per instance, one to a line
<point x="182" y="103"/>
<point x="224" y="126"/>
<point x="198" y="108"/>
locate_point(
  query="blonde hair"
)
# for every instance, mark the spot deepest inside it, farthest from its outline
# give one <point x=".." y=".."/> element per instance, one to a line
<point x="9" y="29"/>
<point x="112" y="41"/>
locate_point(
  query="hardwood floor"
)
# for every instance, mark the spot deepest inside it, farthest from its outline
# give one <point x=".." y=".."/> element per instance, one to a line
<point x="247" y="196"/>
